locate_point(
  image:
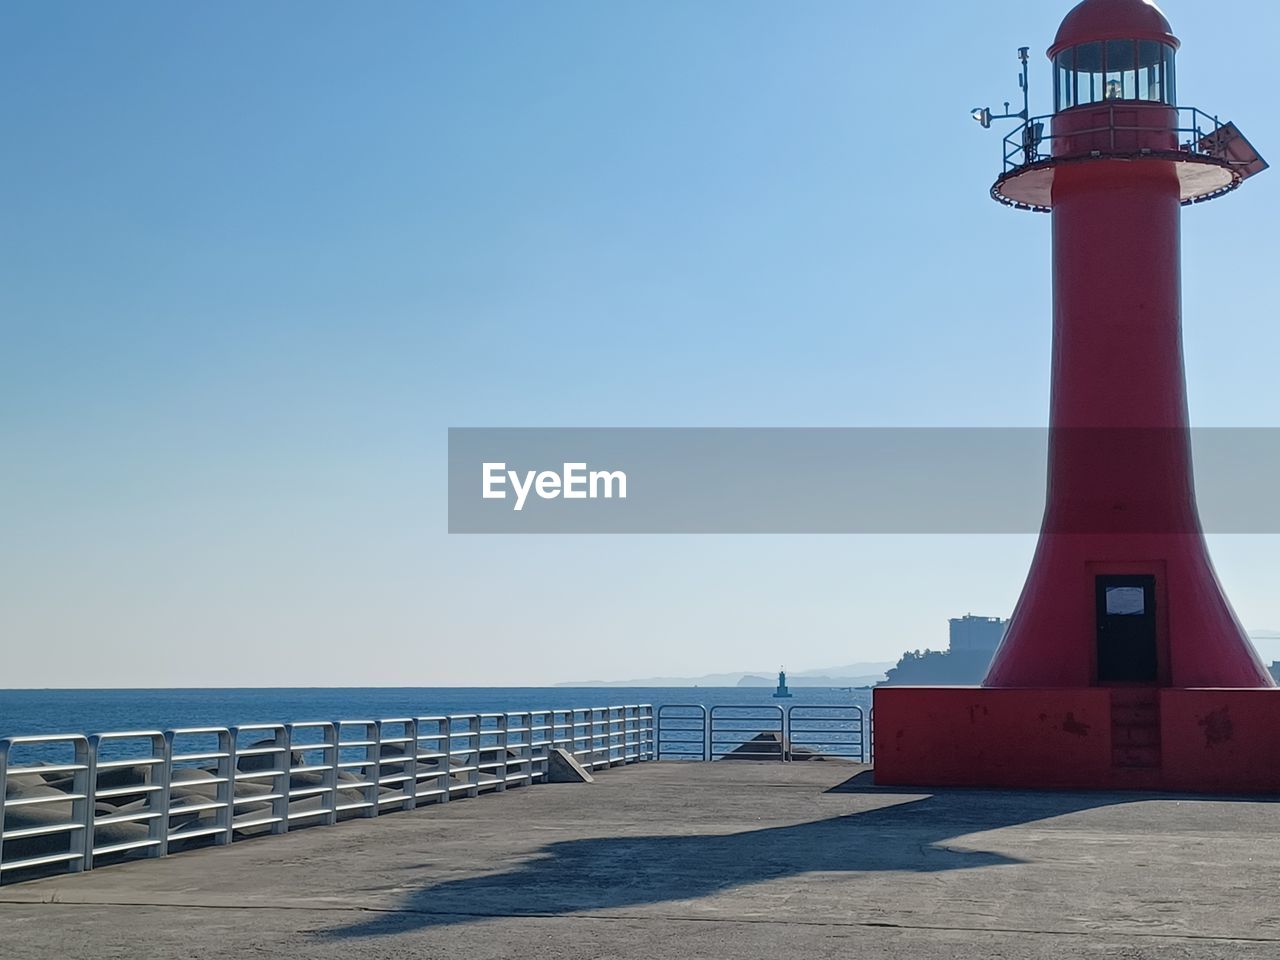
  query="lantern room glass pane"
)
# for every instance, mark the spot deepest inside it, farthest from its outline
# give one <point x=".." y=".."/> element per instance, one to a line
<point x="1122" y="74"/>
<point x="1089" y="73"/>
<point x="1170" y="88"/>
<point x="1151" y="71"/>
<point x="1064" y="81"/>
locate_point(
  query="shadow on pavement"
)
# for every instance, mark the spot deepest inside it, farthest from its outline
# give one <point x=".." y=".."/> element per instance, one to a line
<point x="910" y="833"/>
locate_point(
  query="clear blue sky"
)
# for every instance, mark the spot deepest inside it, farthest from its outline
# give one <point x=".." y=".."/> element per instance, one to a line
<point x="256" y="258"/>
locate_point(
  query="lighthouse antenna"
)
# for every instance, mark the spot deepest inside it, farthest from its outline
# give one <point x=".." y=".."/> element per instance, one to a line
<point x="1024" y="81"/>
<point x="984" y="116"/>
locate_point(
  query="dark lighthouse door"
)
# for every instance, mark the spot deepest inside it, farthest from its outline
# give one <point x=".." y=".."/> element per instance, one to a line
<point x="1127" y="629"/>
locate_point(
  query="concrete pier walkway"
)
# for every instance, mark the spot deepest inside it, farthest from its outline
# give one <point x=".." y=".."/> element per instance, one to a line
<point x="726" y="860"/>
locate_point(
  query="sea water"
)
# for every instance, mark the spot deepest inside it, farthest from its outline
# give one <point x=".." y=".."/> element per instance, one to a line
<point x="24" y="712"/>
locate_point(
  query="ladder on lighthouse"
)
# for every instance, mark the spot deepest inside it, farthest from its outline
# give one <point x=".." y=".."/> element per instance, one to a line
<point x="1135" y="728"/>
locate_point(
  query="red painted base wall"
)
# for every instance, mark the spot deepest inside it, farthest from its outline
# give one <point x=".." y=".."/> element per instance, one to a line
<point x="1212" y="741"/>
<point x="1221" y="740"/>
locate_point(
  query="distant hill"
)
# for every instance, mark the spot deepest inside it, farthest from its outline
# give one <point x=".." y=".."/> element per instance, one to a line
<point x="795" y="680"/>
<point x="853" y="675"/>
<point x="852" y="670"/>
<point x="940" y="667"/>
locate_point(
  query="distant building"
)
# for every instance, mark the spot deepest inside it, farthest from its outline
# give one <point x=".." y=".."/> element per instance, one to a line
<point x="973" y="643"/>
<point x="970" y="634"/>
<point x="1275" y="670"/>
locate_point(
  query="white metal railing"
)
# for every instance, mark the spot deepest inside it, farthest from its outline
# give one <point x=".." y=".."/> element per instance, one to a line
<point x="207" y="811"/>
<point x="66" y="800"/>
<point x="747" y="732"/>
<point x="692" y="731"/>
<point x="682" y="732"/>
<point x="313" y="772"/>
<point x="74" y="810"/>
<point x="153" y="790"/>
<point x="826" y="730"/>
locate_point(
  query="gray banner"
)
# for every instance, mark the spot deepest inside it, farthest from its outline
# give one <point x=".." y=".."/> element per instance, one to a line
<point x="789" y="480"/>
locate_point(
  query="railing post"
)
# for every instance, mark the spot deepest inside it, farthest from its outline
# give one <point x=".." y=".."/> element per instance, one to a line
<point x="871" y="736"/>
<point x="595" y="736"/>
<point x="633" y="742"/>
<point x="527" y="752"/>
<point x="411" y="765"/>
<point x="226" y="792"/>
<point x="521" y="745"/>
<point x="373" y="757"/>
<point x="331" y="775"/>
<point x="471" y="740"/>
<point x="158" y="826"/>
<point x="609" y="728"/>
<point x="580" y="722"/>
<point x="82" y="809"/>
<point x="706" y="733"/>
<point x="377" y="767"/>
<point x="90" y="793"/>
<point x="558" y="741"/>
<point x="538" y="761"/>
<point x="474" y="738"/>
<point x="625" y="716"/>
<point x="4" y="792"/>
<point x="582" y="727"/>
<point x="599" y="726"/>
<point x="502" y="752"/>
<point x="446" y="763"/>
<point x="166" y="814"/>
<point x="653" y="737"/>
<point x="862" y="734"/>
<point x="642" y="743"/>
<point x="283" y="780"/>
<point x="653" y="741"/>
<point x="784" y="734"/>
<point x="615" y="733"/>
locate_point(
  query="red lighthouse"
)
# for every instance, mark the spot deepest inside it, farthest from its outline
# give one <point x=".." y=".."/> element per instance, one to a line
<point x="1124" y="664"/>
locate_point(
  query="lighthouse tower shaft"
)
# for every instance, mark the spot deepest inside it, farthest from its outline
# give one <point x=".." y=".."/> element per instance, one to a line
<point x="1121" y="525"/>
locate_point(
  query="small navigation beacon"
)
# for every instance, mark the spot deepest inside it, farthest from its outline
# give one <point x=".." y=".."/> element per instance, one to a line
<point x="782" y="693"/>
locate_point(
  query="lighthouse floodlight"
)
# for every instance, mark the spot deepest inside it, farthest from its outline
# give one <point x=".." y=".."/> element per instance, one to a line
<point x="984" y="115"/>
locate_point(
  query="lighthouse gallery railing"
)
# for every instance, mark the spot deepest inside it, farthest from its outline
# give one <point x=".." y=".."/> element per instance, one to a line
<point x="1030" y="143"/>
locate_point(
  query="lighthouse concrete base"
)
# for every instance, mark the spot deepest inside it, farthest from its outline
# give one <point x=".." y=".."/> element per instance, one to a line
<point x="1093" y="738"/>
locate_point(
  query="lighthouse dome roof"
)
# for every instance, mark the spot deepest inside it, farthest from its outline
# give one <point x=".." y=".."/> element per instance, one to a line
<point x="1113" y="20"/>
